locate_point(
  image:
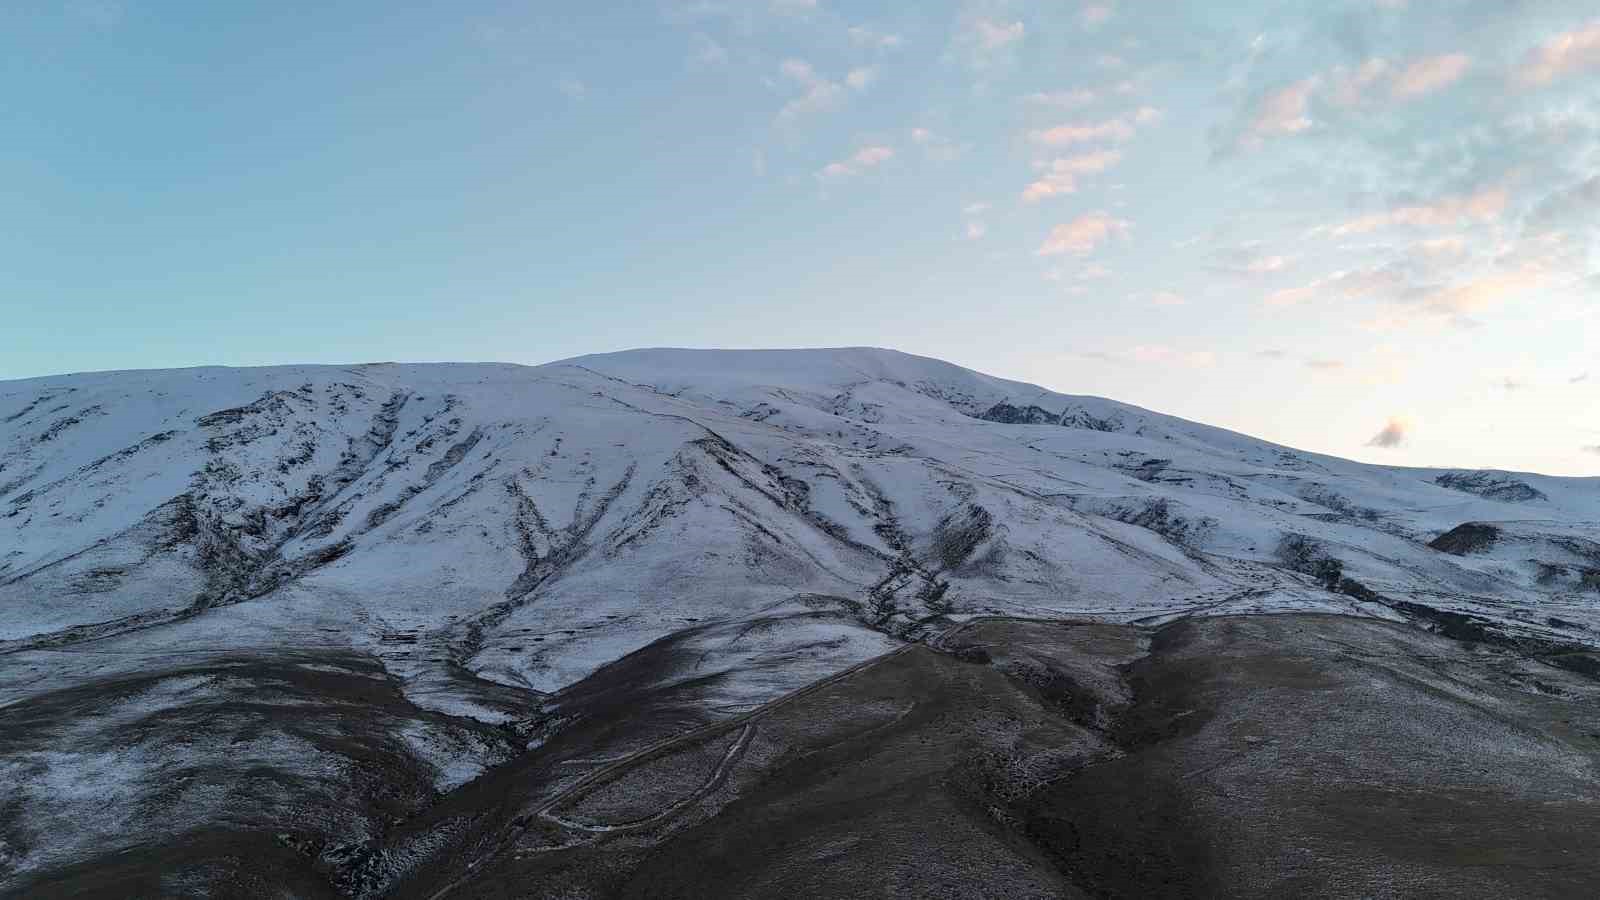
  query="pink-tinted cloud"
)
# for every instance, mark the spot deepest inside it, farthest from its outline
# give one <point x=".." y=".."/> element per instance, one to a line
<point x="1435" y="248"/>
<point x="993" y="35"/>
<point x="1486" y="205"/>
<point x="1115" y="130"/>
<point x="860" y="161"/>
<point x="859" y="79"/>
<point x="820" y="94"/>
<point x="1351" y="284"/>
<point x="1266" y="264"/>
<point x="1392" y="435"/>
<point x="1284" y="111"/>
<point x="1096" y="14"/>
<point x="1353" y="87"/>
<point x="1484" y="291"/>
<point x="866" y="37"/>
<point x="1430" y="74"/>
<point x="1082" y="235"/>
<point x="1060" y="176"/>
<point x="1076" y="98"/>
<point x="1565" y="54"/>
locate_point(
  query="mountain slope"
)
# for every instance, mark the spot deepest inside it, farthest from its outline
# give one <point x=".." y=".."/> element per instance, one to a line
<point x="486" y="537"/>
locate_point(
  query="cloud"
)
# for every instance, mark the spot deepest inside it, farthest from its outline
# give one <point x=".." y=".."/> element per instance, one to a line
<point x="1062" y="135"/>
<point x="1168" y="298"/>
<point x="859" y="162"/>
<point x="1061" y="175"/>
<point x="1113" y="130"/>
<point x="1392" y="435"/>
<point x="937" y="146"/>
<point x="571" y="87"/>
<point x="1353" y="87"/>
<point x="1481" y="292"/>
<point x="975" y="209"/>
<point x="1082" y="235"/>
<point x="1293" y="296"/>
<point x="1355" y="283"/>
<point x="1161" y="354"/>
<point x="866" y="37"/>
<point x="976" y="230"/>
<point x="1284" y="111"/>
<point x="708" y="52"/>
<point x="1077" y="98"/>
<point x="1577" y="206"/>
<point x="1247" y="260"/>
<point x="1431" y="74"/>
<point x="1592" y="448"/>
<point x="99" y="13"/>
<point x="1096" y="14"/>
<point x="858" y="79"/>
<point x="820" y="94"/>
<point x="1578" y="379"/>
<point x="1434" y="248"/>
<point x="1485" y="205"/>
<point x="1562" y="55"/>
<point x="993" y="35"/>
<point x="1288" y="110"/>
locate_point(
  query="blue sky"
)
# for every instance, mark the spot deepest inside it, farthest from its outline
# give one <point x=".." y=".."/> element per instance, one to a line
<point x="1337" y="224"/>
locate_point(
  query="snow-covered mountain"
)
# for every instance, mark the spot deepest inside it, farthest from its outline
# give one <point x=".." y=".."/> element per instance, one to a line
<point x="490" y="534"/>
<point x="530" y="524"/>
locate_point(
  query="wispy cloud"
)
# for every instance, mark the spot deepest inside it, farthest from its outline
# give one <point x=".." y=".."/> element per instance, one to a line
<point x="1077" y="98"/>
<point x="1061" y="175"/>
<point x="863" y="36"/>
<point x="859" y="79"/>
<point x="1162" y="354"/>
<point x="859" y="162"/>
<point x="99" y="13"/>
<point x="1082" y="235"/>
<point x="1284" y="111"/>
<point x="819" y="94"/>
<point x="938" y="147"/>
<point x="1431" y="74"/>
<point x="1114" y="130"/>
<point x="1592" y="448"/>
<point x="1349" y="284"/>
<point x="708" y="52"/>
<point x="571" y="87"/>
<point x="1483" y="206"/>
<point x="1565" y="54"/>
<point x="992" y="35"/>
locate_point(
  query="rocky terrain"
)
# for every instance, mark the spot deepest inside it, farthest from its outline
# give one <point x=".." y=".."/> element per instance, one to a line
<point x="659" y="623"/>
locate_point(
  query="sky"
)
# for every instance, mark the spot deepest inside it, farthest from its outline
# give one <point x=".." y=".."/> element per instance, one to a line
<point x="1362" y="227"/>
